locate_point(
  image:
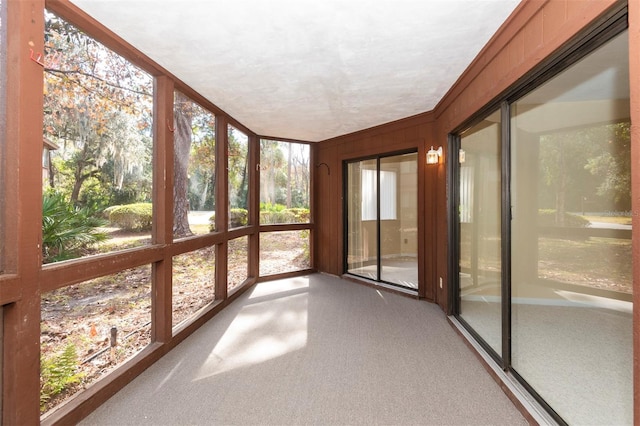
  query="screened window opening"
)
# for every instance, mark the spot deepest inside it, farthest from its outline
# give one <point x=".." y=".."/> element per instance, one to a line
<point x="194" y="165"/>
<point x="238" y="175"/>
<point x="98" y="143"/>
<point x="284" y="182"/>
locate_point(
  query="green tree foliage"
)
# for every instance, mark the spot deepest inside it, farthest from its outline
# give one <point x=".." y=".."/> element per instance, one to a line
<point x="98" y="110"/>
<point x="67" y="230"/>
<point x="613" y="166"/>
<point x="284" y="174"/>
<point x="202" y="165"/>
<point x="586" y="168"/>
<point x="238" y="169"/>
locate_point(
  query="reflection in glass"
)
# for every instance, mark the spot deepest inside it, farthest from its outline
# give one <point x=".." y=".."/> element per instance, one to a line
<point x="194" y="165"/>
<point x="399" y="220"/>
<point x="193" y="285"/>
<point x="284" y="251"/>
<point x="284" y="182"/>
<point x="362" y="237"/>
<point x="480" y="231"/>
<point x="89" y="329"/>
<point x="238" y="262"/>
<point x="97" y="135"/>
<point x="238" y="174"/>
<point x="571" y="247"/>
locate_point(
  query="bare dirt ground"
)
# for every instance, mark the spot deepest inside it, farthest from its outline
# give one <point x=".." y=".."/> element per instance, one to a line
<point x="84" y="315"/>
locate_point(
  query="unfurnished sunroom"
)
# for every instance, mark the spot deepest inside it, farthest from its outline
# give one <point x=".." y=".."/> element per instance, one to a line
<point x="403" y="167"/>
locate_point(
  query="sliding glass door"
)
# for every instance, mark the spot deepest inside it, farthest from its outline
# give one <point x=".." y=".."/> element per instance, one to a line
<point x="381" y="219"/>
<point x="544" y="278"/>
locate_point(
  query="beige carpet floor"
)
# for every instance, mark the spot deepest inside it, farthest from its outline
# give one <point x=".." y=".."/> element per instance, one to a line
<point x="316" y="350"/>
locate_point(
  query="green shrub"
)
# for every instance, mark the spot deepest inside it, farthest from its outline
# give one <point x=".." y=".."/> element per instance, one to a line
<point x="132" y="217"/>
<point x="67" y="230"/>
<point x="268" y="207"/>
<point x="238" y="217"/>
<point x="547" y="217"/>
<point x="270" y="217"/>
<point x="294" y="215"/>
<point x="57" y="373"/>
<point x="212" y="222"/>
<point x="300" y="214"/>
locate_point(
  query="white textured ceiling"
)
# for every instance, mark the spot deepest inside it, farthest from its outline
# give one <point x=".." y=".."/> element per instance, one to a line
<point x="307" y="69"/>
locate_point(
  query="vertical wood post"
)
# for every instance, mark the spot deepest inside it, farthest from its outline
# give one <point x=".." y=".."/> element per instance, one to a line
<point x="222" y="204"/>
<point x="254" y="207"/>
<point x="21" y="387"/>
<point x="162" y="233"/>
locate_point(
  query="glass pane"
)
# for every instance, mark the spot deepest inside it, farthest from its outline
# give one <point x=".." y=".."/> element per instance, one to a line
<point x="194" y="166"/>
<point x="193" y="282"/>
<point x="89" y="329"/>
<point x="480" y="232"/>
<point x="571" y="247"/>
<point x="285" y="251"/>
<point x="362" y="234"/>
<point x="399" y="220"/>
<point x="238" y="167"/>
<point x="238" y="262"/>
<point x="97" y="149"/>
<point x="284" y="182"/>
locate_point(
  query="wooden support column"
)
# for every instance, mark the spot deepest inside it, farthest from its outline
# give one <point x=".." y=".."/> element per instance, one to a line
<point x="21" y="369"/>
<point x="163" y="152"/>
<point x="222" y="203"/>
<point x="312" y="214"/>
<point x="254" y="206"/>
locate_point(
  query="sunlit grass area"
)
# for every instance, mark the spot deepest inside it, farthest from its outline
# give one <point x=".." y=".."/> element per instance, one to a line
<point x="621" y="220"/>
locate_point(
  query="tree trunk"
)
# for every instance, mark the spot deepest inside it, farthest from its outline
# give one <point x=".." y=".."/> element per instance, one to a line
<point x="561" y="188"/>
<point x="182" y="148"/>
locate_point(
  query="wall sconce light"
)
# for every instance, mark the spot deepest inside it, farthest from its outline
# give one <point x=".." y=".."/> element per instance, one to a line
<point x="461" y="156"/>
<point x="433" y="156"/>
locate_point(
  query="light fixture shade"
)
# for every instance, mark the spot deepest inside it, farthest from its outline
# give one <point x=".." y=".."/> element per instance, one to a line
<point x="461" y="156"/>
<point x="433" y="156"/>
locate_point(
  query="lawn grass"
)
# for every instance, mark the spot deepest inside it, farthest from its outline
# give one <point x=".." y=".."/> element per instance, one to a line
<point x="621" y="220"/>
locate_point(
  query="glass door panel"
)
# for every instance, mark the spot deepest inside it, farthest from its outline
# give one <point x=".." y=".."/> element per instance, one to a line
<point x="571" y="239"/>
<point x="362" y="237"/>
<point x="398" y="220"/>
<point x="480" y="303"/>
